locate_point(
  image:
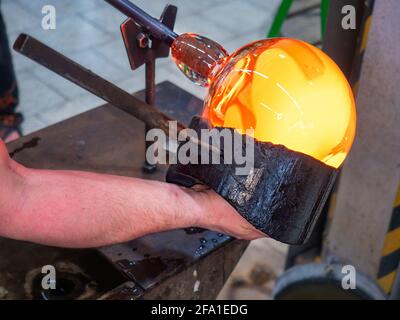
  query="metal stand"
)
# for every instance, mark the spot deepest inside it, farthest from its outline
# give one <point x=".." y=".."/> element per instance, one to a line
<point x="143" y="49"/>
<point x="150" y="99"/>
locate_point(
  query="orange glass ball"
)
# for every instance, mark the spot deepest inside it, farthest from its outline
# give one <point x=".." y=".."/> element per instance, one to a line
<point x="290" y="93"/>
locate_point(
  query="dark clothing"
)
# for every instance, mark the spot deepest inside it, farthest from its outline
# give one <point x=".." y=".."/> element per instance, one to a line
<point x="9" y="119"/>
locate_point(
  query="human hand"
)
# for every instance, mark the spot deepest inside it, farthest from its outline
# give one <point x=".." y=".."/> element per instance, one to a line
<point x="218" y="215"/>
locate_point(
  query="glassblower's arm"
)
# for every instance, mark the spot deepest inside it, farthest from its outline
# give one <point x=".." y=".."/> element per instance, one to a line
<point x="82" y="209"/>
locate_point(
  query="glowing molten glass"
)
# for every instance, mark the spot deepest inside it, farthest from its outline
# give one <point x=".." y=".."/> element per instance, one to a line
<point x="288" y="91"/>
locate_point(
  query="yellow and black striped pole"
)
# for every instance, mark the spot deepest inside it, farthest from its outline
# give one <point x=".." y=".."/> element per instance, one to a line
<point x="389" y="263"/>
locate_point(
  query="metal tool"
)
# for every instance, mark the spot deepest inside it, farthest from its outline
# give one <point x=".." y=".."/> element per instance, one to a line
<point x="152" y="26"/>
<point x="142" y="48"/>
<point x="86" y="79"/>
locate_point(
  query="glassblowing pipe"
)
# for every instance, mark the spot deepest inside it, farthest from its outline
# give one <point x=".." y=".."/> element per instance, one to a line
<point x="194" y="55"/>
<point x="152" y="25"/>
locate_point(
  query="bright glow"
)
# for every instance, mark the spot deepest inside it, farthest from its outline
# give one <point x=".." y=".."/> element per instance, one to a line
<point x="290" y="93"/>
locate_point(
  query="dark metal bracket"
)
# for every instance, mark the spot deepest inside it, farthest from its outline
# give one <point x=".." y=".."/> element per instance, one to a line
<point x="138" y="42"/>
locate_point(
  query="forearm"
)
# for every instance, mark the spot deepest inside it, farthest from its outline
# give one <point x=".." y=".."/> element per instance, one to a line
<point x="78" y="209"/>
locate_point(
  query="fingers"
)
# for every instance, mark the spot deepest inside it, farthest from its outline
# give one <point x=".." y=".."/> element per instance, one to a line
<point x="244" y="233"/>
<point x="240" y="228"/>
<point x="256" y="234"/>
<point x="220" y="216"/>
<point x="252" y="234"/>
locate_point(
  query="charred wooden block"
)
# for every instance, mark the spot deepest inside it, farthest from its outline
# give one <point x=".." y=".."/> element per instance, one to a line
<point x="282" y="196"/>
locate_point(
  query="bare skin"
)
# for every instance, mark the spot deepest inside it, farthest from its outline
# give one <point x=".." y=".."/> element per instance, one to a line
<point x="80" y="209"/>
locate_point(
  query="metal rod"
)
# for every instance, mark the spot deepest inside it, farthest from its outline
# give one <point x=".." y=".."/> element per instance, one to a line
<point x="58" y="63"/>
<point x="152" y="25"/>
<point x="150" y="99"/>
<point x="88" y="80"/>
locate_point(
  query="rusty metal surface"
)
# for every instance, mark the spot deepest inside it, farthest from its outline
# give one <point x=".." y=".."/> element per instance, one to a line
<point x="126" y="291"/>
<point x="151" y="259"/>
<point x="107" y="140"/>
<point x="21" y="264"/>
<point x="202" y="280"/>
